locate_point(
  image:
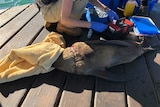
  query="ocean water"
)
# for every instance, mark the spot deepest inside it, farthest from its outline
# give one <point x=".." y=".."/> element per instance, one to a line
<point x="10" y="3"/>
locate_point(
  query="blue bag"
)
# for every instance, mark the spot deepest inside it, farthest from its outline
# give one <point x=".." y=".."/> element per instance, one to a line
<point x="144" y="25"/>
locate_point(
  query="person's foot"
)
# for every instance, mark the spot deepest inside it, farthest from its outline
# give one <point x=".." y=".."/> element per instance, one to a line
<point x="70" y="31"/>
<point x="47" y="24"/>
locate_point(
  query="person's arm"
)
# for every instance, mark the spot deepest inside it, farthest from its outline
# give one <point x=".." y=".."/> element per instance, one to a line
<point x="69" y="21"/>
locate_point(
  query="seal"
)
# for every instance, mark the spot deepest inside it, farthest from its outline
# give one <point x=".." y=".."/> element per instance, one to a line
<point x="93" y="57"/>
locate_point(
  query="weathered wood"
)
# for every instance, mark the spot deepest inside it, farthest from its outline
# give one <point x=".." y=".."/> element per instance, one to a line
<point x="12" y="27"/>
<point x="140" y="91"/>
<point x="25" y="26"/>
<point x="41" y="36"/>
<point x="2" y="10"/>
<point x="11" y="13"/>
<point x="153" y="58"/>
<point x="110" y="94"/>
<point x="12" y="93"/>
<point x="155" y="14"/>
<point x="23" y="37"/>
<point x="153" y="63"/>
<point x="77" y="91"/>
<point x="158" y="91"/>
<point x="45" y="90"/>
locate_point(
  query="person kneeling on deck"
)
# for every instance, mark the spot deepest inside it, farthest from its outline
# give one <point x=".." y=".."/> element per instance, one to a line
<point x="68" y="14"/>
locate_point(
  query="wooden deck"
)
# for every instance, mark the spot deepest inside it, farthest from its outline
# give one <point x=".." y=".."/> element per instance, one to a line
<point x="23" y="25"/>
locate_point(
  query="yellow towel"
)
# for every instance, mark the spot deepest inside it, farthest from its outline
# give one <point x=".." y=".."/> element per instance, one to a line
<point x="31" y="60"/>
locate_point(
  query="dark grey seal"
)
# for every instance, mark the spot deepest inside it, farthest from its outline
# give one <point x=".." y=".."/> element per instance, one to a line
<point x="93" y="57"/>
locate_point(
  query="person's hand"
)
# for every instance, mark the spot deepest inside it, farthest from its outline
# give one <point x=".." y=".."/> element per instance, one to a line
<point x="112" y="15"/>
<point x="97" y="26"/>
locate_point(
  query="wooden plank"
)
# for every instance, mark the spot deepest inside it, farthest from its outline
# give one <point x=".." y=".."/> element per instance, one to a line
<point x="152" y="58"/>
<point x="158" y="36"/>
<point x="12" y="93"/>
<point x="155" y="14"/>
<point x="153" y="62"/>
<point x="41" y="36"/>
<point x="158" y="91"/>
<point x="45" y="90"/>
<point x="110" y="94"/>
<point x="25" y="36"/>
<point x="140" y="91"/>
<point x="2" y="10"/>
<point x="152" y="41"/>
<point x="11" y="13"/>
<point x="77" y="91"/>
<point x="17" y="89"/>
<point x="16" y="24"/>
